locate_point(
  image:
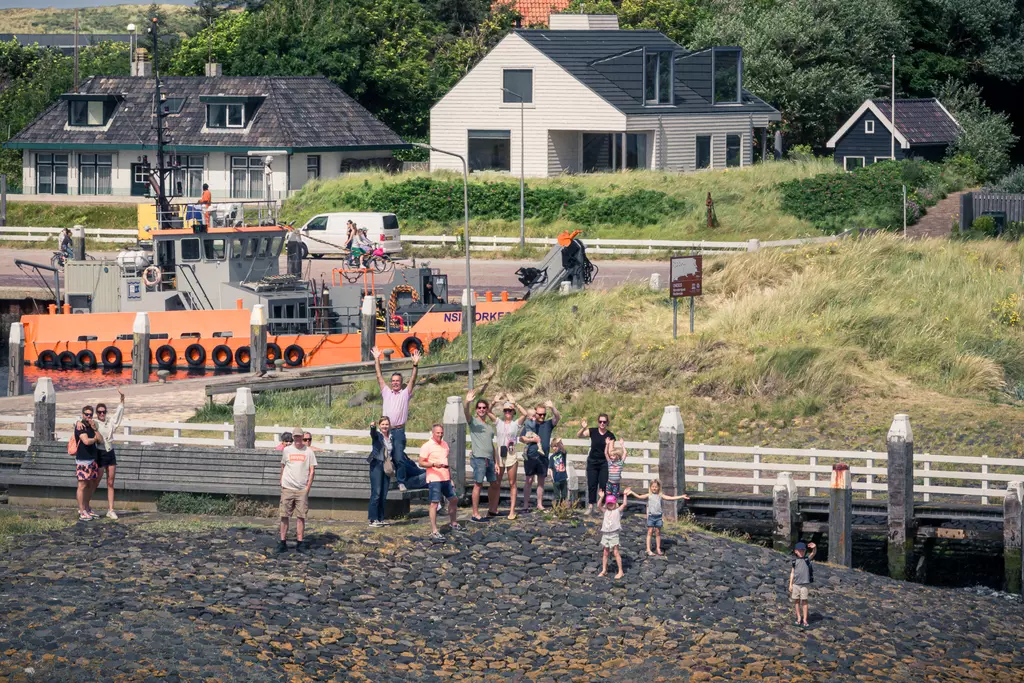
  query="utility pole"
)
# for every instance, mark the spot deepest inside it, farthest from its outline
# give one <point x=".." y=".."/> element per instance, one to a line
<point x="892" y="114"/>
<point x="76" y="50"/>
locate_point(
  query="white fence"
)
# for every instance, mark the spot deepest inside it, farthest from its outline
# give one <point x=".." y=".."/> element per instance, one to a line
<point x="601" y="245"/>
<point x="43" y="234"/>
<point x="708" y="467"/>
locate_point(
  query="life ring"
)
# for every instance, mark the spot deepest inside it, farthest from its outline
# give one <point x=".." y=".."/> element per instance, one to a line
<point x="410" y="344"/>
<point x="86" y="359"/>
<point x="273" y="352"/>
<point x="195" y="356"/>
<point x="294" y="355"/>
<point x="221" y="355"/>
<point x="67" y="360"/>
<point x="47" y="359"/>
<point x="111" y="357"/>
<point x="166" y="357"/>
<point x="243" y="356"/>
<point x="151" y="276"/>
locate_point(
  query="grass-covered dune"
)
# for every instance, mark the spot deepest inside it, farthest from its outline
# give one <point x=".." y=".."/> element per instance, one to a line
<point x="814" y="347"/>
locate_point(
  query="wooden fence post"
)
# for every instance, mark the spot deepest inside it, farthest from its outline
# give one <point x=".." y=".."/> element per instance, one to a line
<point x="1012" y="532"/>
<point x="16" y="360"/>
<point x="258" y="340"/>
<point x="840" y="516"/>
<point x="44" y="421"/>
<point x="245" y="418"/>
<point x="785" y="513"/>
<point x="368" y="313"/>
<point x="140" y="349"/>
<point x="900" y="473"/>
<point x="455" y="435"/>
<point x="672" y="459"/>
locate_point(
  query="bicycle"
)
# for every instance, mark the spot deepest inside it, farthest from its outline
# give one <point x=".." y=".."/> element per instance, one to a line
<point x="381" y="263"/>
<point x="59" y="258"/>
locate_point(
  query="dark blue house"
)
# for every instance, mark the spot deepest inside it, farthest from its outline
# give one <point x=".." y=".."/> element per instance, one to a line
<point x="924" y="130"/>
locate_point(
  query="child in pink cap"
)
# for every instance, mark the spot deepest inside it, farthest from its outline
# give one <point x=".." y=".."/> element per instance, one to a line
<point x="610" y="532"/>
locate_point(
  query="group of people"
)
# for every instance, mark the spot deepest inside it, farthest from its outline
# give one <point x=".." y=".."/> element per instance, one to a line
<point x="92" y="445"/>
<point x="358" y="244"/>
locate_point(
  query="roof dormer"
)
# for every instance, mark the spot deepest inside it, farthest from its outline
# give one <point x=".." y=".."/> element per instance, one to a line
<point x="89" y="110"/>
<point x="227" y="112"/>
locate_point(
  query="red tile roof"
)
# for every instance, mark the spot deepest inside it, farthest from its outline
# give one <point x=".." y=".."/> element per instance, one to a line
<point x="535" y="12"/>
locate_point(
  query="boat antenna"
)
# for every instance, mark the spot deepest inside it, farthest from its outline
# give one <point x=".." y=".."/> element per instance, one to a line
<point x="163" y="208"/>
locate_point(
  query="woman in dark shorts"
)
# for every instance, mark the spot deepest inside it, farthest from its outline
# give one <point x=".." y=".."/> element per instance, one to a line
<point x="597" y="463"/>
<point x="106" y="460"/>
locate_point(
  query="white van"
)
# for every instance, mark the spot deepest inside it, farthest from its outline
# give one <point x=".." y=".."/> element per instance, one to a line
<point x="326" y="233"/>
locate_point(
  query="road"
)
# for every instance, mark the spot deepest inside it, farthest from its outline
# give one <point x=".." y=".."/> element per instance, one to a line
<point x="487" y="274"/>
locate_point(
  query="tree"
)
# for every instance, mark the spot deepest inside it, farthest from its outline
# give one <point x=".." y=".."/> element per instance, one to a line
<point x="219" y="42"/>
<point x="985" y="136"/>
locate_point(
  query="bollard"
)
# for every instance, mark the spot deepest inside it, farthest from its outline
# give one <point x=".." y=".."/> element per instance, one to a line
<point x="655" y="282"/>
<point x="900" y="472"/>
<point x="162" y="375"/>
<point x="754" y="245"/>
<point x="455" y="436"/>
<point x="16" y="360"/>
<point x="78" y="243"/>
<point x="245" y="418"/>
<point x="672" y="459"/>
<point x="258" y="340"/>
<point x="1012" y="532"/>
<point x="840" y="516"/>
<point x="387" y="353"/>
<point x="140" y="349"/>
<point x="44" y="422"/>
<point x="368" y="321"/>
<point x="785" y="513"/>
<point x="294" y="254"/>
<point x="468" y="309"/>
<point x="565" y="288"/>
<point x="279" y="364"/>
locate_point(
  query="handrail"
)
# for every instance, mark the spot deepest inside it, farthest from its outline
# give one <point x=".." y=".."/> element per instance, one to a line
<point x="195" y="279"/>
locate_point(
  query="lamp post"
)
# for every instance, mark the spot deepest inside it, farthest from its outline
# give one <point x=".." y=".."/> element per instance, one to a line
<point x="465" y="203"/>
<point x="522" y="155"/>
<point x="132" y="38"/>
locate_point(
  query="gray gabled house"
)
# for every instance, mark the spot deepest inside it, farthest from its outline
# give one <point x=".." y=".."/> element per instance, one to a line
<point x="219" y="130"/>
<point x="586" y="96"/>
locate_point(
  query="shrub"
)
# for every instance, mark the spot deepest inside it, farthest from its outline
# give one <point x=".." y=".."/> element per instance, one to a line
<point x="800" y="153"/>
<point x="986" y="225"/>
<point x="1011" y="182"/>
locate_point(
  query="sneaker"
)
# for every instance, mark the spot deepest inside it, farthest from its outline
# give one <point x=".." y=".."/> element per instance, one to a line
<point x="478" y="520"/>
<point x="457" y="527"/>
<point x="281" y="547"/>
<point x="300" y="547"/>
<point x="111" y="514"/>
<point x="437" y="536"/>
<point x="401" y="487"/>
<point x="93" y="514"/>
<point x="84" y="517"/>
<point x="381" y="523"/>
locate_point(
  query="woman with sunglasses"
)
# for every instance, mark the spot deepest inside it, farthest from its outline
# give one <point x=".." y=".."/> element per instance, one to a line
<point x="597" y="462"/>
<point x="506" y="431"/>
<point x="106" y="460"/>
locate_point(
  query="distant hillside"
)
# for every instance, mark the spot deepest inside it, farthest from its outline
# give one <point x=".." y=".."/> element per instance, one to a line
<point x="110" y="19"/>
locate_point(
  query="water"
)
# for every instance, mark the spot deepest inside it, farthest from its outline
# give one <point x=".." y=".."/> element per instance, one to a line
<point x="69" y="380"/>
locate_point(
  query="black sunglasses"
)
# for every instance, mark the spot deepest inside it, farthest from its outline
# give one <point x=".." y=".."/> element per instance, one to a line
<point x="602" y="422"/>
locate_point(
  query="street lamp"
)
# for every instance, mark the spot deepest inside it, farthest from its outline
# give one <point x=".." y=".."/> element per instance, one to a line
<point x="522" y="182"/>
<point x="132" y="39"/>
<point x="469" y="286"/>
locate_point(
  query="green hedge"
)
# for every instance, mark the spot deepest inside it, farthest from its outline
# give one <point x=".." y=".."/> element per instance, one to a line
<point x="427" y="199"/>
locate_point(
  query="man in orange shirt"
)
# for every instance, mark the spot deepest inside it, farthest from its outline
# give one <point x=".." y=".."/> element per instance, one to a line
<point x="434" y="457"/>
<point x="205" y="201"/>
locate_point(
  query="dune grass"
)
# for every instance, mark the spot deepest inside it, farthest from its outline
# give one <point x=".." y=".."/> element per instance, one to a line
<point x="65" y="215"/>
<point x="746" y="202"/>
<point x="813" y="347"/>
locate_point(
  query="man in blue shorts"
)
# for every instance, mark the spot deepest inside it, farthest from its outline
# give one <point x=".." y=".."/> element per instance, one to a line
<point x="434" y="457"/>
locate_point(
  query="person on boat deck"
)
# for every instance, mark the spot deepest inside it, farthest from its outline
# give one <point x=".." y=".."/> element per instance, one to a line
<point x="205" y="201"/>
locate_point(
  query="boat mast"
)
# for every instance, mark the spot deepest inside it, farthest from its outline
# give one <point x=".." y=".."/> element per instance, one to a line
<point x="162" y="206"/>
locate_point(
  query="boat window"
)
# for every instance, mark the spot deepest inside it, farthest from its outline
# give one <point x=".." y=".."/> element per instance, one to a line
<point x="190" y="250"/>
<point x="275" y="246"/>
<point x="236" y="248"/>
<point x="250" y="248"/>
<point x="262" y="251"/>
<point x="213" y="250"/>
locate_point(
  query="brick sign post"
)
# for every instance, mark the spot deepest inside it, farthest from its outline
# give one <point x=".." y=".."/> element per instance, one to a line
<point x="686" y="278"/>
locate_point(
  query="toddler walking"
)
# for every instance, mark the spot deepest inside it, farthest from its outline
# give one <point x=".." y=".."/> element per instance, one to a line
<point x="654" y="512"/>
<point x="610" y="532"/>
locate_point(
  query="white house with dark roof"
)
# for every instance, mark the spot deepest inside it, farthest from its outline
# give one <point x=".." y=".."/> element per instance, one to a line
<point x="923" y="129"/>
<point x="593" y="97"/>
<point x="218" y="130"/>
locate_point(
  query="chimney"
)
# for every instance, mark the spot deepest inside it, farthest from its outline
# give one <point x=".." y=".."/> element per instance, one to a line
<point x="142" y="69"/>
<point x="213" y="70"/>
<point x="583" y="22"/>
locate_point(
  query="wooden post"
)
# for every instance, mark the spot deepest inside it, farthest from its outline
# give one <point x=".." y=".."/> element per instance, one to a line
<point x="294" y="251"/>
<point x="671" y="459"/>
<point x="455" y="436"/>
<point x="258" y="340"/>
<point x="468" y="309"/>
<point x="368" y="327"/>
<point x="840" y="516"/>
<point x="140" y="349"/>
<point x="245" y="418"/>
<point x="785" y="513"/>
<point x="16" y="360"/>
<point x="44" y="423"/>
<point x="900" y="473"/>
<point x="1012" y="532"/>
<point x="78" y="243"/>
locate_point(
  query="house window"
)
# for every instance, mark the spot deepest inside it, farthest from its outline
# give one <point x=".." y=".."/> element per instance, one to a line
<point x="853" y="163"/>
<point x="85" y="113"/>
<point x="247" y="177"/>
<point x="312" y="167"/>
<point x="190" y="250"/>
<point x="173" y="105"/>
<point x="703" y="151"/>
<point x="225" y="116"/>
<point x="885" y="158"/>
<point x="490" y="150"/>
<point x="213" y="250"/>
<point x="869" y="127"/>
<point x="187" y="174"/>
<point x="94" y="173"/>
<point x="52" y="173"/>
<point x="726" y="67"/>
<point x="732" y="150"/>
<point x="517" y="86"/>
<point x="658" y="77"/>
<point x="604" y="151"/>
